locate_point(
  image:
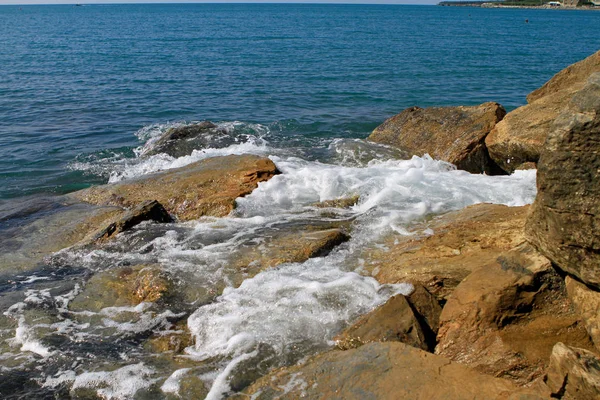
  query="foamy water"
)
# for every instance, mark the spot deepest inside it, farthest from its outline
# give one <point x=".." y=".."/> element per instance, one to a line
<point x="242" y="326"/>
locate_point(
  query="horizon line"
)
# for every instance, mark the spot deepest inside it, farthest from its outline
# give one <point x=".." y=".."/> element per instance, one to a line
<point x="280" y="2"/>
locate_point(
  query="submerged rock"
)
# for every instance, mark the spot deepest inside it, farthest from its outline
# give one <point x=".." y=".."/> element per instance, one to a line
<point x="183" y="140"/>
<point x="453" y="134"/>
<point x="573" y="373"/>
<point x="205" y="188"/>
<point x="345" y="202"/>
<point x="384" y="371"/>
<point x="443" y="251"/>
<point x="395" y="321"/>
<point x="520" y="136"/>
<point x="563" y="223"/>
<point x="505" y="317"/>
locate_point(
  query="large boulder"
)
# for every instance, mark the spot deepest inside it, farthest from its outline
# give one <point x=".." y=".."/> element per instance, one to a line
<point x="453" y="134"/>
<point x="504" y="318"/>
<point x="573" y="373"/>
<point x="587" y="304"/>
<point x="384" y="371"/>
<point x="208" y="187"/>
<point x="564" y="222"/>
<point x="520" y="136"/>
<point x="444" y="250"/>
<point x="182" y="140"/>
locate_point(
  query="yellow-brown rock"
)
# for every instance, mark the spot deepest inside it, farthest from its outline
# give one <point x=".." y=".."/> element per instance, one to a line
<point x="453" y="134"/>
<point x="573" y="373"/>
<point x="461" y="242"/>
<point x="520" y="136"/>
<point x="390" y="370"/>
<point x="505" y="317"/>
<point x="587" y="305"/>
<point x="208" y="187"/>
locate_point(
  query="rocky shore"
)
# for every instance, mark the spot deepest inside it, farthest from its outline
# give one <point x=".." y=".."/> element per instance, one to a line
<point x="505" y="300"/>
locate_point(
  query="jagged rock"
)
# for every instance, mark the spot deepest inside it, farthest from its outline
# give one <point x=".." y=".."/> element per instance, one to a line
<point x="183" y="140"/>
<point x="427" y="308"/>
<point x="520" y="136"/>
<point x="33" y="229"/>
<point x="461" y="242"/>
<point x="564" y="223"/>
<point x="121" y="287"/>
<point x="207" y="187"/>
<point x="573" y="373"/>
<point x="150" y="210"/>
<point x="453" y="134"/>
<point x="505" y="317"/>
<point x="587" y="304"/>
<point x="389" y="370"/>
<point x="346" y="202"/>
<point x="174" y="340"/>
<point x="394" y="321"/>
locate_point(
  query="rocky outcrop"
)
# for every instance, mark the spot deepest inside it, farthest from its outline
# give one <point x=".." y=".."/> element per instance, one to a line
<point x="453" y="134"/>
<point x="150" y="210"/>
<point x="395" y="321"/>
<point x="462" y="241"/>
<point x="205" y="188"/>
<point x="573" y="373"/>
<point x="384" y="371"/>
<point x="504" y="318"/>
<point x="587" y="305"/>
<point x="563" y="223"/>
<point x="183" y="140"/>
<point x="520" y="136"/>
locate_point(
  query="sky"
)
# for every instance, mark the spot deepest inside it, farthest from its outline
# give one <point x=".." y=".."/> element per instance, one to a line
<point x="24" y="2"/>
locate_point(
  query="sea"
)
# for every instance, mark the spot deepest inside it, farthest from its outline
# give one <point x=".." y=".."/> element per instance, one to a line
<point x="85" y="91"/>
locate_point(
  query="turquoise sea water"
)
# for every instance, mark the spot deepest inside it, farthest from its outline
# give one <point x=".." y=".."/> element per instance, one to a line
<point x="77" y="83"/>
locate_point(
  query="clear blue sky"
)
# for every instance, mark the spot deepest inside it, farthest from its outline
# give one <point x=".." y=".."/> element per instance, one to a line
<point x="2" y="2"/>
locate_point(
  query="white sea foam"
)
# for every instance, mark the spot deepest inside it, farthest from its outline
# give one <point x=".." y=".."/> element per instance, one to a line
<point x="120" y="384"/>
<point x="172" y="383"/>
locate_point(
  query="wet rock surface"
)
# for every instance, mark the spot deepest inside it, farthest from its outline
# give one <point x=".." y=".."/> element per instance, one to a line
<point x="505" y="317"/>
<point x="520" y="136"/>
<point x="573" y="373"/>
<point x="563" y="223"/>
<point x="453" y="134"/>
<point x="444" y="250"/>
<point x="205" y="188"/>
<point x="384" y="371"/>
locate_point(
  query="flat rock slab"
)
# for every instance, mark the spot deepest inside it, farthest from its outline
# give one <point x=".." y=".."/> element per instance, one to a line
<point x="520" y="136"/>
<point x="461" y="242"/>
<point x="205" y="188"/>
<point x="453" y="134"/>
<point x="564" y="223"/>
<point x="384" y="371"/>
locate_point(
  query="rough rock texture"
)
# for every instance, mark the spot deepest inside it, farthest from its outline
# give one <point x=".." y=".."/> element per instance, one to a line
<point x="573" y="373"/>
<point x="345" y="202"/>
<point x="182" y="140"/>
<point x="384" y="371"/>
<point x="395" y="321"/>
<point x="32" y="230"/>
<point x="564" y="223"/>
<point x="121" y="287"/>
<point x="461" y="242"/>
<point x="520" y="136"/>
<point x="587" y="305"/>
<point x="150" y="210"/>
<point x="427" y="308"/>
<point x="505" y="317"/>
<point x="174" y="340"/>
<point x="453" y="134"/>
<point x="207" y="187"/>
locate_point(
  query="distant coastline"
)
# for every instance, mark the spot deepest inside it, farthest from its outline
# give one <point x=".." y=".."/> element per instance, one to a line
<point x="551" y="5"/>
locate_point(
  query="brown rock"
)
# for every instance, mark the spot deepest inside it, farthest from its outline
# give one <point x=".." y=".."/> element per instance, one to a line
<point x="122" y="287"/>
<point x="346" y="202"/>
<point x="461" y="242"/>
<point x="520" y="136"/>
<point x="384" y="371"/>
<point x="573" y="373"/>
<point x="564" y="223"/>
<point x="394" y="321"/>
<point x="427" y="308"/>
<point x="207" y="187"/>
<point x="150" y="210"/>
<point x="587" y="305"/>
<point x="174" y="340"/>
<point x="453" y="134"/>
<point x="504" y="318"/>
